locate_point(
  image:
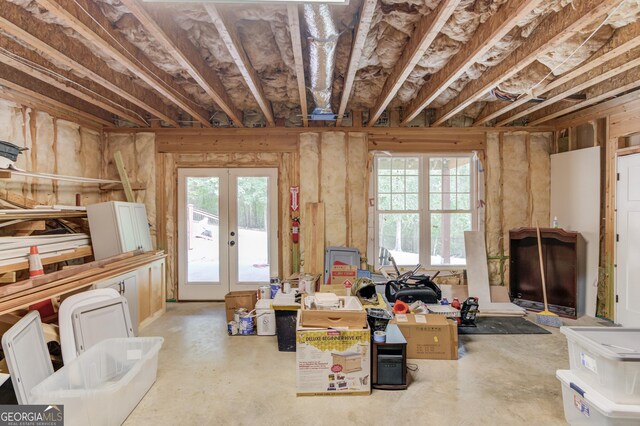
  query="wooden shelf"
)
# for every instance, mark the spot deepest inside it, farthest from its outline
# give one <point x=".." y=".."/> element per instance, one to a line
<point x="44" y="215"/>
<point x="75" y="254"/>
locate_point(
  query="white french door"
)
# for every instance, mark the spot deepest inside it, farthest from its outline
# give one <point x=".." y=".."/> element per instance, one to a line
<point x="627" y="308"/>
<point x="227" y="230"/>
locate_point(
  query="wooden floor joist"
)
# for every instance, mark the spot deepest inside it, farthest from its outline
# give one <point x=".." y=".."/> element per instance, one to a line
<point x="485" y="37"/>
<point x="627" y="81"/>
<point x="296" y="45"/>
<point x="20" y="82"/>
<point x="552" y="31"/>
<point x="228" y="33"/>
<point x="159" y="22"/>
<point x="28" y="61"/>
<point x="623" y="40"/>
<point x="426" y="31"/>
<point x="85" y="17"/>
<point x="72" y="53"/>
<point x="365" y="19"/>
<point x="605" y="72"/>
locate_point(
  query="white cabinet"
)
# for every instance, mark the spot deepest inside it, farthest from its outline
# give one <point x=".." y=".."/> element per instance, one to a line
<point x="118" y="227"/>
<point x="126" y="285"/>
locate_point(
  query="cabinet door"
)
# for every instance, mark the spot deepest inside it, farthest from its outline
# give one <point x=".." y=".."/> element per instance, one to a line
<point x="144" y="293"/>
<point x="157" y="286"/>
<point x="130" y="292"/>
<point x="126" y="227"/>
<point x="142" y="227"/>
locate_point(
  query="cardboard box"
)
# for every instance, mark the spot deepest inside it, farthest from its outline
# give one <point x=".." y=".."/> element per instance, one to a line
<point x="240" y="299"/>
<point x="332" y="362"/>
<point x="428" y="336"/>
<point x="342" y="273"/>
<point x="352" y="315"/>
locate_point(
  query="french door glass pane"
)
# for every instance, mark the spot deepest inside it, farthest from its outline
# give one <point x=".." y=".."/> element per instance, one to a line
<point x="203" y="197"/>
<point x="252" y="238"/>
<point x="447" y="238"/>
<point x="400" y="234"/>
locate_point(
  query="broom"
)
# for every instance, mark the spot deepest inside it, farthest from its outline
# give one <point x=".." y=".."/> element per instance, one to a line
<point x="545" y="317"/>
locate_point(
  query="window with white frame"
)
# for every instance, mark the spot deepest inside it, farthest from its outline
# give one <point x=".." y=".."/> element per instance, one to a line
<point x="424" y="203"/>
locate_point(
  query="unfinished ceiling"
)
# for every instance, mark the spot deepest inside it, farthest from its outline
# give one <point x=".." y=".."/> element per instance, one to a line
<point x="237" y="65"/>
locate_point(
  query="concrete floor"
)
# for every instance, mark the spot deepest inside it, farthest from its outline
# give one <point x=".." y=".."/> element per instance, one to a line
<point x="206" y="377"/>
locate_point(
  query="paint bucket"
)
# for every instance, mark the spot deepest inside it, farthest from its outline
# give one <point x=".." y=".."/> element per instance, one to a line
<point x="238" y="313"/>
<point x="264" y="292"/>
<point x="275" y="287"/>
<point x="307" y="285"/>
<point x="379" y="336"/>
<point x="246" y="324"/>
<point x="232" y="328"/>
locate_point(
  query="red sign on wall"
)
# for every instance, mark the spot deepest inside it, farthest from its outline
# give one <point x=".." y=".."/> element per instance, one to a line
<point x="294" y="198"/>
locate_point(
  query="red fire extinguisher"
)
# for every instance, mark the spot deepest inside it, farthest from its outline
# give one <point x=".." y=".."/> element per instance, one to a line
<point x="295" y="229"/>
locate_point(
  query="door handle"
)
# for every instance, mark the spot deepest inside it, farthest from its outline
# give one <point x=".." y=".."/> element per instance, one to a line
<point x="232" y="243"/>
<point x="233" y="234"/>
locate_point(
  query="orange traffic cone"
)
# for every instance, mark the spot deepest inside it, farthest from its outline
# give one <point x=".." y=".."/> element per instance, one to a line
<point x="35" y="264"/>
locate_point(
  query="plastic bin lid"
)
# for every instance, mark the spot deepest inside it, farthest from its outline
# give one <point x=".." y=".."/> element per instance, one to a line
<point x="601" y="403"/>
<point x="27" y="355"/>
<point x="99" y="321"/>
<point x="616" y="343"/>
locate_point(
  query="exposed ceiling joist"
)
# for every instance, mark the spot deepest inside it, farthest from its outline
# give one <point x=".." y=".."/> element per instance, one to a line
<point x="629" y="80"/>
<point x="623" y="40"/>
<point x="485" y="37"/>
<point x="229" y="35"/>
<point x="426" y="31"/>
<point x="29" y="62"/>
<point x="86" y="18"/>
<point x="364" y="24"/>
<point x="158" y="21"/>
<point x="601" y="110"/>
<point x="22" y="83"/>
<point x="552" y="31"/>
<point x="602" y="73"/>
<point x="296" y="44"/>
<point x="19" y="23"/>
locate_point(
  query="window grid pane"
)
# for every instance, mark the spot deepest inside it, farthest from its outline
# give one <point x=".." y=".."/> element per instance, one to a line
<point x="398" y="183"/>
<point x="450" y="184"/>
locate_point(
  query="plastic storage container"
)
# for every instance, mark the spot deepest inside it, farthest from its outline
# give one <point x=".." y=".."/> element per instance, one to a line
<point x="584" y="406"/>
<point x="265" y="318"/>
<point x="607" y="359"/>
<point x="103" y="385"/>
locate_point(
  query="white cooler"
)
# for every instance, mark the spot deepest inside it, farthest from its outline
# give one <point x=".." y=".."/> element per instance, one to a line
<point x="607" y="359"/>
<point x="584" y="406"/>
<point x="265" y="318"/>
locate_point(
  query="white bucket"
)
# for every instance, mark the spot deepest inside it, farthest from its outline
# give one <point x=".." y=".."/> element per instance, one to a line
<point x="265" y="318"/>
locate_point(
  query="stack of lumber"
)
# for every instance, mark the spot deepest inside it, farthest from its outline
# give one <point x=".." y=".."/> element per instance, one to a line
<point x="27" y="292"/>
<point x="14" y="251"/>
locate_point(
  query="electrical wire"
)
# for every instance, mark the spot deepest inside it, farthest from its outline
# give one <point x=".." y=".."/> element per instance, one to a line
<point x="40" y="68"/>
<point x="135" y="59"/>
<point x="614" y="11"/>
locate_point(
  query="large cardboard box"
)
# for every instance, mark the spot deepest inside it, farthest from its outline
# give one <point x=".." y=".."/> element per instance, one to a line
<point x="240" y="299"/>
<point x="341" y="279"/>
<point x="428" y="336"/>
<point x="332" y="362"/>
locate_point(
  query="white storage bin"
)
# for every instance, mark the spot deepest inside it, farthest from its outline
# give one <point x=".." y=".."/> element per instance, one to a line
<point x="103" y="385"/>
<point x="607" y="359"/>
<point x="265" y="318"/>
<point x="585" y="406"/>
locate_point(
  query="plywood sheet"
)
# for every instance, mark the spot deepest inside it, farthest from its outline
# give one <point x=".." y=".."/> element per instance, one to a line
<point x="333" y="188"/>
<point x="314" y="236"/>
<point x="575" y="200"/>
<point x="477" y="271"/>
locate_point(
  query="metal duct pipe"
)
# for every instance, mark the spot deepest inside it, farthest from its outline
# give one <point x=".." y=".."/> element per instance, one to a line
<point x="323" y="40"/>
